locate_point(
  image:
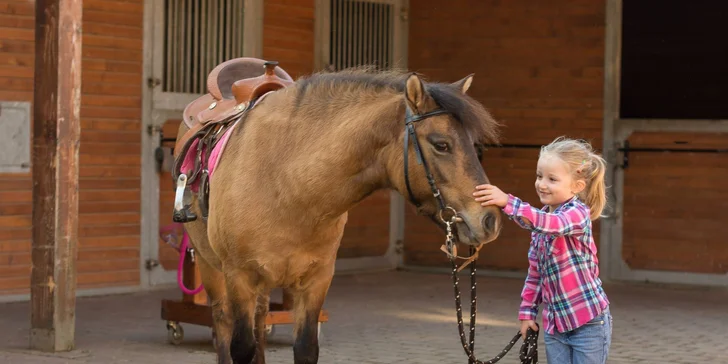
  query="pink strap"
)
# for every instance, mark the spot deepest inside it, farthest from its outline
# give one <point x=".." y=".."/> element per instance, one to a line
<point x="180" y="267"/>
<point x="189" y="161"/>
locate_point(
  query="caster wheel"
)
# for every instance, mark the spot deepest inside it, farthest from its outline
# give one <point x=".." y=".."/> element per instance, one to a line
<point x="175" y="333"/>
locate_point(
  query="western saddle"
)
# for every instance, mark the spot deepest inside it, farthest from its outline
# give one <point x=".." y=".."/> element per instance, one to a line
<point x="233" y="87"/>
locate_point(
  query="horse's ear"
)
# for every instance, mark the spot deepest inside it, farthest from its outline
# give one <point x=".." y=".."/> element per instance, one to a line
<point x="464" y="84"/>
<point x="416" y="94"/>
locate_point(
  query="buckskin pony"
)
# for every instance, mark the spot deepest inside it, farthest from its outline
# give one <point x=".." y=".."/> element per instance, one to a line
<point x="303" y="156"/>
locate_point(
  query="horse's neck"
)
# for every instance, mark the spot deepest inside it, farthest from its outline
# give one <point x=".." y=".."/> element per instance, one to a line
<point x="329" y="160"/>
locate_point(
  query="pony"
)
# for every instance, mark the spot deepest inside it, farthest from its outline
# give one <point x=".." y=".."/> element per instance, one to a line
<point x="304" y="156"/>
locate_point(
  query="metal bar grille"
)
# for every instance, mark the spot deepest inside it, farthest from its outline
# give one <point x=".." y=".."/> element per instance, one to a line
<point x="361" y="33"/>
<point x="199" y="35"/>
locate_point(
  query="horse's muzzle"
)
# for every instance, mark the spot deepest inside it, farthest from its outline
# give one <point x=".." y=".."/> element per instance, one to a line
<point x="480" y="231"/>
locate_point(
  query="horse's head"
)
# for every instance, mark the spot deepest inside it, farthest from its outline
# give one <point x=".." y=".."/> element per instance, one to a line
<point x="447" y="124"/>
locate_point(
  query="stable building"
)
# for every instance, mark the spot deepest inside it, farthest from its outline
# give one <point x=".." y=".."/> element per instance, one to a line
<point x="646" y="90"/>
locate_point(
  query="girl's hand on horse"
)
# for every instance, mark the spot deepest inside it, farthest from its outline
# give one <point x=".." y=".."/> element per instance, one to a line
<point x="525" y="324"/>
<point x="490" y="195"/>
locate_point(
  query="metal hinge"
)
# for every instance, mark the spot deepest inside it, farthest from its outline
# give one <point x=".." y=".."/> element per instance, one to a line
<point x="151" y="129"/>
<point x="151" y="264"/>
<point x="404" y="14"/>
<point x="153" y="82"/>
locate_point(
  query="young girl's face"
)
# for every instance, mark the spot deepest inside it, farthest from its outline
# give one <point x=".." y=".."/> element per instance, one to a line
<point x="554" y="182"/>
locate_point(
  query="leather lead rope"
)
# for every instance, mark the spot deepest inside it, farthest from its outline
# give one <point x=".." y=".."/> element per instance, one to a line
<point x="529" y="349"/>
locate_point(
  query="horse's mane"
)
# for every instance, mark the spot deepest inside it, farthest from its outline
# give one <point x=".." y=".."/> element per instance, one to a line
<point x="474" y="117"/>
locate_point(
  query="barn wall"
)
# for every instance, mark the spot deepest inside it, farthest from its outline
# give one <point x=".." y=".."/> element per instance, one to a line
<point x="16" y="84"/>
<point x="670" y="204"/>
<point x="672" y="72"/>
<point x="109" y="208"/>
<point x="288" y="34"/>
<point x="538" y="68"/>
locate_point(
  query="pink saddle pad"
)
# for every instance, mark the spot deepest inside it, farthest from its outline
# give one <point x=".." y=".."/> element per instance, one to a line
<point x="189" y="162"/>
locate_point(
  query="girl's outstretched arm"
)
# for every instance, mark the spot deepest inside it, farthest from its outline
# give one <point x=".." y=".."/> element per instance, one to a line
<point x="571" y="221"/>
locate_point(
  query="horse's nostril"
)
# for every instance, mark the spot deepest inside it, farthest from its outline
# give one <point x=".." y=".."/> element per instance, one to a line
<point x="489" y="222"/>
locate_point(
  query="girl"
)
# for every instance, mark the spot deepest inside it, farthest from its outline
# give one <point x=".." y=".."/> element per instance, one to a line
<point x="563" y="271"/>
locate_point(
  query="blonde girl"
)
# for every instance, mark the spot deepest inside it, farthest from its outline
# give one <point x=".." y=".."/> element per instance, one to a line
<point x="563" y="272"/>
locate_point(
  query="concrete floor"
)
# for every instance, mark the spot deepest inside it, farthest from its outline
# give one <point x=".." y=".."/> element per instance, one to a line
<point x="391" y="317"/>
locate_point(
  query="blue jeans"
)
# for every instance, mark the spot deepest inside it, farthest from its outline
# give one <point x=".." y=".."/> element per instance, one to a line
<point x="588" y="344"/>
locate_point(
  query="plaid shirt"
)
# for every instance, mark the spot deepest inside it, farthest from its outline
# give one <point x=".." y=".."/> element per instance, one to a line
<point x="563" y="271"/>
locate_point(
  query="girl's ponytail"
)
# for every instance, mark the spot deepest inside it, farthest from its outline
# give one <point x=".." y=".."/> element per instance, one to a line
<point x="585" y="165"/>
<point x="595" y="193"/>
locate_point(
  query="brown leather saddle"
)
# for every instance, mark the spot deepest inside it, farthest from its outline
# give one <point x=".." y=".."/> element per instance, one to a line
<point x="233" y="88"/>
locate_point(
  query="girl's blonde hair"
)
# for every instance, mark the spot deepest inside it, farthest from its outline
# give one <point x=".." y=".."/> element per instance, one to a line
<point x="586" y="165"/>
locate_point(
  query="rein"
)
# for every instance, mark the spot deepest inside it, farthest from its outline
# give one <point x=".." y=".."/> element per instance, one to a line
<point x="529" y="349"/>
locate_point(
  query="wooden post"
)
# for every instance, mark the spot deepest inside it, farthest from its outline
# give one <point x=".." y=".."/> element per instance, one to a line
<point x="56" y="135"/>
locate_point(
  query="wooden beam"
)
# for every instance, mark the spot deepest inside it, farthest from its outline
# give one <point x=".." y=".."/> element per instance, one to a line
<point x="56" y="135"/>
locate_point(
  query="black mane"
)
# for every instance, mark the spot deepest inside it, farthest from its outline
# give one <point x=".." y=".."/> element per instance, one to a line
<point x="473" y="116"/>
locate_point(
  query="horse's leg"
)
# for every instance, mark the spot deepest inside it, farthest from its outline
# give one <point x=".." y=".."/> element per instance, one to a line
<point x="214" y="283"/>
<point x="307" y="305"/>
<point x="260" y="315"/>
<point x="242" y="295"/>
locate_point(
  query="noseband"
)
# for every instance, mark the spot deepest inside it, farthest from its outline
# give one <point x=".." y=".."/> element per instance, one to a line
<point x="409" y="122"/>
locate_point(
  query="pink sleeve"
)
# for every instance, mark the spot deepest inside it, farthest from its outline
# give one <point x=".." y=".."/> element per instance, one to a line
<point x="531" y="294"/>
<point x="571" y="221"/>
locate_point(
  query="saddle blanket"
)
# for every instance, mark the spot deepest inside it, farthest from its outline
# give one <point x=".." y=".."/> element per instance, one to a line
<point x="189" y="162"/>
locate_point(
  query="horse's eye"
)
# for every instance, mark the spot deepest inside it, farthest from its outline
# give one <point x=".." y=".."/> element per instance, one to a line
<point x="442" y="147"/>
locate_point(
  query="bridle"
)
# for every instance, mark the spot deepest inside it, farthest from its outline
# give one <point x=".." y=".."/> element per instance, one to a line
<point x="529" y="350"/>
<point x="409" y="121"/>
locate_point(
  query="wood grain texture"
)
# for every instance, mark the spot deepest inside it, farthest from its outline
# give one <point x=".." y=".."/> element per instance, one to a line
<point x="56" y="137"/>
<point x="539" y="69"/>
<point x="110" y="145"/>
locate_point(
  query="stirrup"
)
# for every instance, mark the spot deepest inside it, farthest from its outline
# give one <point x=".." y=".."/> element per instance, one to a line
<point x="181" y="212"/>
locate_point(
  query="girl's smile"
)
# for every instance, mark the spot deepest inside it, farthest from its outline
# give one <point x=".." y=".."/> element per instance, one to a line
<point x="554" y="182"/>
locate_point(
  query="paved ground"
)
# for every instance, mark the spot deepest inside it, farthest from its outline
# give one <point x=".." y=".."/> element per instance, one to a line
<point x="392" y="317"/>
